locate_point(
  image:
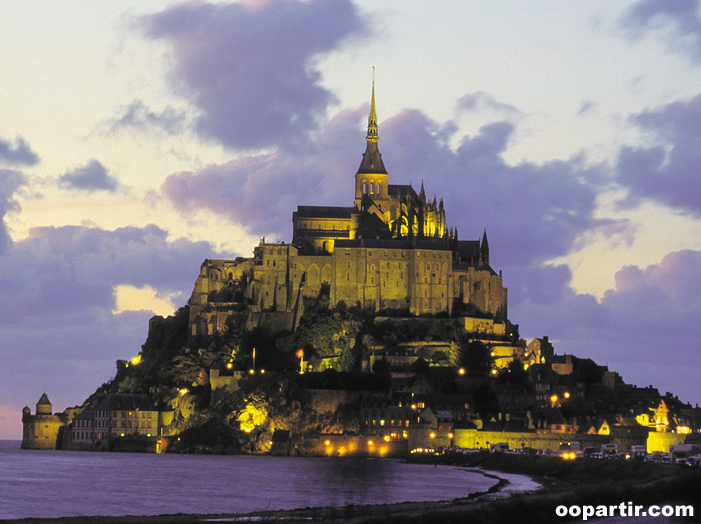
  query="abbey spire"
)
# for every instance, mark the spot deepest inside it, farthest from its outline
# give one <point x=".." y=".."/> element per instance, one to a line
<point x="372" y="119"/>
<point x="372" y="159"/>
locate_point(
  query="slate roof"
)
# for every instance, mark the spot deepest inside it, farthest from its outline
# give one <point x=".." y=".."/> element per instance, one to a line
<point x="324" y="212"/>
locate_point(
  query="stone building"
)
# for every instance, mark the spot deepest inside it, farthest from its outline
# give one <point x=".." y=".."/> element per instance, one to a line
<point x="43" y="430"/>
<point x="391" y="250"/>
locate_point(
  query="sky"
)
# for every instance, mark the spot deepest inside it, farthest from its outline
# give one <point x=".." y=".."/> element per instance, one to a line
<point x="139" y="138"/>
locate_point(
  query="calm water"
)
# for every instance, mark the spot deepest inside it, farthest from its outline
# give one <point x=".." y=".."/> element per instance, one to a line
<point x="67" y="483"/>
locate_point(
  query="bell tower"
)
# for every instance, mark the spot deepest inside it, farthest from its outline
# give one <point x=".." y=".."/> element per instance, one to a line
<point x="371" y="180"/>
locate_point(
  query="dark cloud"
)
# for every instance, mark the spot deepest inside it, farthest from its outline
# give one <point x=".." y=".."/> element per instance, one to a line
<point x="261" y="192"/>
<point x="56" y="303"/>
<point x="73" y="269"/>
<point x="18" y="154"/>
<point x="679" y="19"/>
<point x="249" y="66"/>
<point x="10" y="181"/>
<point x="646" y="328"/>
<point x="140" y="117"/>
<point x="669" y="171"/>
<point x="537" y="211"/>
<point x="91" y="177"/>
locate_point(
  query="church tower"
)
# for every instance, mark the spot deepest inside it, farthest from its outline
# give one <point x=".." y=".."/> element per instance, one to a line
<point x="371" y="180"/>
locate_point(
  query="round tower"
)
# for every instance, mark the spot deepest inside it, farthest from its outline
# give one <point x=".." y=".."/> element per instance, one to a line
<point x="44" y="405"/>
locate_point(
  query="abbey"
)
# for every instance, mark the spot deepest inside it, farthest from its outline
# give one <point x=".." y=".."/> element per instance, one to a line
<point x="391" y="250"/>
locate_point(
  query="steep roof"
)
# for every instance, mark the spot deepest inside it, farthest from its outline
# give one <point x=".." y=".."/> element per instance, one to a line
<point x="372" y="160"/>
<point x="324" y="212"/>
<point x="44" y="400"/>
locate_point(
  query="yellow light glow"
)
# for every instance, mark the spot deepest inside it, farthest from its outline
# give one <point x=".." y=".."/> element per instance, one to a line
<point x="130" y="298"/>
<point x="684" y="430"/>
<point x="262" y="371"/>
<point x="567" y="395"/>
<point x="413" y="406"/>
<point x="494" y="372"/>
<point x="450" y="435"/>
<point x="369" y="442"/>
<point x="136" y="360"/>
<point x="553" y="398"/>
<point x="183" y="391"/>
<point x="230" y="365"/>
<point x="328" y="442"/>
<point x="252" y="371"/>
<point x="461" y="371"/>
<point x="386" y="438"/>
<point x="432" y="435"/>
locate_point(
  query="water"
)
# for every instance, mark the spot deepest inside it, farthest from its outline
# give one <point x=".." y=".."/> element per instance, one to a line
<point x="70" y="483"/>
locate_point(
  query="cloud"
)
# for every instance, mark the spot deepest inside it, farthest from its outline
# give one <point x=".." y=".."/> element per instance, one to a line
<point x="62" y="310"/>
<point x="60" y="270"/>
<point x="668" y="171"/>
<point x="18" y="154"/>
<point x="260" y="192"/>
<point x="645" y="328"/>
<point x="537" y="211"/>
<point x="677" y="20"/>
<point x="10" y="181"/>
<point x="138" y="116"/>
<point x="481" y="100"/>
<point x="91" y="177"/>
<point x="249" y="67"/>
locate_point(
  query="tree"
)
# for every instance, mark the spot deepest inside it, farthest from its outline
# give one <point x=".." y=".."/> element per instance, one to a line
<point x="477" y="358"/>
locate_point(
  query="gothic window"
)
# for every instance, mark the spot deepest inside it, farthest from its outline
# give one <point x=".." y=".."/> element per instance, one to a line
<point x="372" y="267"/>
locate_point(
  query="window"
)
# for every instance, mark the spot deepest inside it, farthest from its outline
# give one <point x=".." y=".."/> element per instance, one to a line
<point x="347" y="251"/>
<point x="370" y="253"/>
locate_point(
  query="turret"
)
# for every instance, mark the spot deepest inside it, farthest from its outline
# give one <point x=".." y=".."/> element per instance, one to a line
<point x="44" y="406"/>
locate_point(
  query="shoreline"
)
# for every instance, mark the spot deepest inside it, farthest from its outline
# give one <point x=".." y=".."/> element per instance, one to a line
<point x="508" y="484"/>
